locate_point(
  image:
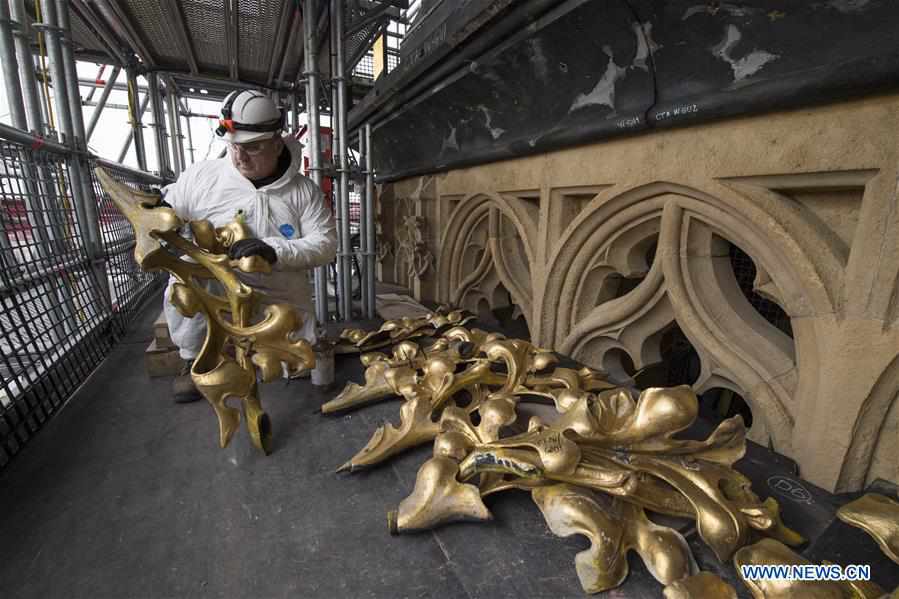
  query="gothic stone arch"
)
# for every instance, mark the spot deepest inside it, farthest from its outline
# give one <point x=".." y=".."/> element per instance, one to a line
<point x="690" y="281"/>
<point x="485" y="249"/>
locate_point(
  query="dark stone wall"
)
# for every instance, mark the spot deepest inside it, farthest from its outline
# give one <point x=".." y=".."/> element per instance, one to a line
<point x="580" y="71"/>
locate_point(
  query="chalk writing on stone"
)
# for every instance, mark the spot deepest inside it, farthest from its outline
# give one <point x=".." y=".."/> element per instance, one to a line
<point x="677" y="111"/>
<point x="790" y="488"/>
<point x="629" y="122"/>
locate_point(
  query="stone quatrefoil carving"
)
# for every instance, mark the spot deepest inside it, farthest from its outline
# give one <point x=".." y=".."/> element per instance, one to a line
<point x="492" y="241"/>
<point x="606" y="271"/>
<point x="689" y="281"/>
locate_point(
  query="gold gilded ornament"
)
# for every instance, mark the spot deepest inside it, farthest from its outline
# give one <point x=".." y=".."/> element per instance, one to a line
<point x="386" y="375"/>
<point x="244" y="330"/>
<point x="438" y="496"/>
<point x="612" y="444"/>
<point x="878" y="516"/>
<point x="595" y="469"/>
<point x="703" y="585"/>
<point x="427" y="378"/>
<point x="394" y="331"/>
<point x="614" y="528"/>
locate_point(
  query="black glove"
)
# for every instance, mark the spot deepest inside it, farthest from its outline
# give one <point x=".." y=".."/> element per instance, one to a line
<point x="252" y="247"/>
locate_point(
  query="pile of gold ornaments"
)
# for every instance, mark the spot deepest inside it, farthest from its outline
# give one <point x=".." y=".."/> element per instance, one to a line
<point x="596" y="469"/>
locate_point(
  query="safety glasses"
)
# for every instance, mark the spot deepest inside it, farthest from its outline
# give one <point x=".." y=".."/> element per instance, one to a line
<point x="253" y="148"/>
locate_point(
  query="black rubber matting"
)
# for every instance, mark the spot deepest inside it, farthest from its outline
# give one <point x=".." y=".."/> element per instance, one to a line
<point x="127" y="494"/>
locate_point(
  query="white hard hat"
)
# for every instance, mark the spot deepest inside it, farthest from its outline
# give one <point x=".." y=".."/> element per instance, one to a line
<point x="249" y="115"/>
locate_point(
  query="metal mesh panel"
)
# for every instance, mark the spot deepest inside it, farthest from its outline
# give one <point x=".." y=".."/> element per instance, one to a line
<point x="128" y="284"/>
<point x="83" y="37"/>
<point x="206" y="24"/>
<point x="355" y="211"/>
<point x="257" y="24"/>
<point x="55" y="322"/>
<point x="393" y="61"/>
<point x="365" y="67"/>
<point x="364" y="36"/>
<point x="156" y="28"/>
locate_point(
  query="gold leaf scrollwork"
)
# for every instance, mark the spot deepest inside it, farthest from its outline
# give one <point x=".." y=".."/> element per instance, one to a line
<point x="878" y="516"/>
<point x="596" y="469"/>
<point x="244" y="330"/>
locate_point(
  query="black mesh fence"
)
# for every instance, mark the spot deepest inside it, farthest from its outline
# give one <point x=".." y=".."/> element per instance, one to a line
<point x="60" y="310"/>
<point x="128" y="284"/>
<point x="365" y="67"/>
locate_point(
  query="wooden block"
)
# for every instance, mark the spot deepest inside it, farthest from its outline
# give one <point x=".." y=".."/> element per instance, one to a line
<point x="162" y="361"/>
<point x="161" y="332"/>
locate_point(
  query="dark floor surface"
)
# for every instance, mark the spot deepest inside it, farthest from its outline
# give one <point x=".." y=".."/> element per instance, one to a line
<point x="126" y="494"/>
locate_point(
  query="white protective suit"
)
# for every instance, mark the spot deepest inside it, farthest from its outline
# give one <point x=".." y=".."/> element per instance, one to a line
<point x="290" y="215"/>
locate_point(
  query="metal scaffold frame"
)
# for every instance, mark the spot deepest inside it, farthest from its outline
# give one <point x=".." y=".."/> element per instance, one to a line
<point x="69" y="285"/>
<point x="68" y="281"/>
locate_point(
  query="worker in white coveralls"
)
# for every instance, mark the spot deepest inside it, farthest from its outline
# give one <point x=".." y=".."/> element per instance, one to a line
<point x="261" y="182"/>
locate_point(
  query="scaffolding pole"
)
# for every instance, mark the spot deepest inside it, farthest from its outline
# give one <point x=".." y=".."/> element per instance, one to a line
<point x="82" y="183"/>
<point x="294" y="111"/>
<point x="11" y="69"/>
<point x="162" y="162"/>
<point x="136" y="132"/>
<point x="367" y="226"/>
<point x="346" y="256"/>
<point x="310" y="54"/>
<point x="175" y="125"/>
<point x="339" y="290"/>
<point x="101" y="103"/>
<point x="190" y="135"/>
<point x="70" y="71"/>
<point x="30" y="95"/>
<point x="40" y="182"/>
<point x="13" y="92"/>
<point x="171" y="104"/>
<point x="57" y="72"/>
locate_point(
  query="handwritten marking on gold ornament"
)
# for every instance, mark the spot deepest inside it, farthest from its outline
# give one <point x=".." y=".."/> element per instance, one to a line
<point x="878" y="516"/>
<point x="244" y="330"/>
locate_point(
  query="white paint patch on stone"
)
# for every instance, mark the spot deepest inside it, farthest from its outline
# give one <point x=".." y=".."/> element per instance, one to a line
<point x="742" y="67"/>
<point x="642" y="54"/>
<point x="449" y="142"/>
<point x="494" y="131"/>
<point x="647" y="32"/>
<point x="603" y="94"/>
<point x="538" y="58"/>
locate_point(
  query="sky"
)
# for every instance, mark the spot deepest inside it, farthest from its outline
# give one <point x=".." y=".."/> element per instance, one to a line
<point x="113" y="127"/>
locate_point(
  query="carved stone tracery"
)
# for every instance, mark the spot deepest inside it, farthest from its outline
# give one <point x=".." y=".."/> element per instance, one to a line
<point x="485" y="253"/>
<point x="613" y="247"/>
<point x="690" y="282"/>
